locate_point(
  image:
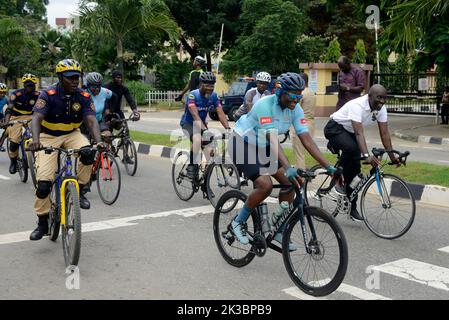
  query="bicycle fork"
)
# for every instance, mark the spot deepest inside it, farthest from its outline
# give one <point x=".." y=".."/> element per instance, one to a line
<point x="384" y="196"/>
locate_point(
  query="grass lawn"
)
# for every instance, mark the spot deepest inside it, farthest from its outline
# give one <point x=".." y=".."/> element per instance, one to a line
<point x="414" y="172"/>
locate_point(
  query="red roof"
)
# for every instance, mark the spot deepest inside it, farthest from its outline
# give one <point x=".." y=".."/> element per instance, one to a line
<point x="61" y="21"/>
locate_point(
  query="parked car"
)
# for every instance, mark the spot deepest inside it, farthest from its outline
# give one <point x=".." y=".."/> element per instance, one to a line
<point x="233" y="99"/>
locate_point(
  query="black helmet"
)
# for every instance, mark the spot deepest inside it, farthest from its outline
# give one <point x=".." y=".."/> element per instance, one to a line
<point x="207" y="77"/>
<point x="290" y="81"/>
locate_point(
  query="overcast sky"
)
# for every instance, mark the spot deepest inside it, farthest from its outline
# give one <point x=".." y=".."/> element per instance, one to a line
<point x="60" y="9"/>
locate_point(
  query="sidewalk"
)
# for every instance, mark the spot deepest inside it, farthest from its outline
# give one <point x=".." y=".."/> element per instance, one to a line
<point x="434" y="134"/>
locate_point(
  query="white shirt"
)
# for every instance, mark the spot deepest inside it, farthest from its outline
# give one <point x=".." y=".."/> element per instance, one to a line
<point x="358" y="110"/>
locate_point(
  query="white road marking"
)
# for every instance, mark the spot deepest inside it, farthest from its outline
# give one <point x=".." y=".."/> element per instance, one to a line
<point x="113" y="223"/>
<point x="343" y="288"/>
<point x="2" y="177"/>
<point x="424" y="273"/>
<point x="445" y="249"/>
<point x="443" y="161"/>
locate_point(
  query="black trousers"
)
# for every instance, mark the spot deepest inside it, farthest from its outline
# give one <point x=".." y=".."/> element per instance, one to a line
<point x="445" y="114"/>
<point x="345" y="141"/>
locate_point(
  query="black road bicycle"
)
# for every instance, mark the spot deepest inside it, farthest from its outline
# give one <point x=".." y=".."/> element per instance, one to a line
<point x="319" y="263"/>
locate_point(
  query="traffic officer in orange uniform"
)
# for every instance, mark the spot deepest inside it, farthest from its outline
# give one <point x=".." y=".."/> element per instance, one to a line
<point x="20" y="107"/>
<point x="58" y="115"/>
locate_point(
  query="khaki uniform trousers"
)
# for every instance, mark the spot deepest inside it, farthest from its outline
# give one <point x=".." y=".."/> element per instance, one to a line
<point x="47" y="164"/>
<point x="14" y="132"/>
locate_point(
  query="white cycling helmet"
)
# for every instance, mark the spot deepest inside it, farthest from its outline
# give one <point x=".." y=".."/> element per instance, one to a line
<point x="263" y="76"/>
<point x="94" y="78"/>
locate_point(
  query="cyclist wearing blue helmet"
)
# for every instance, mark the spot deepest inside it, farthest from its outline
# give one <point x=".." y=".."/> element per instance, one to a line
<point x="256" y="151"/>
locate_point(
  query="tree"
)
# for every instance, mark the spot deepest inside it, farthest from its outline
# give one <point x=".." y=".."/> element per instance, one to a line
<point x="18" y="50"/>
<point x="34" y="9"/>
<point x="410" y="18"/>
<point x="171" y="73"/>
<point x="310" y="48"/>
<point x="119" y="18"/>
<point x="201" y="20"/>
<point x="269" y="40"/>
<point x="333" y="52"/>
<point x="359" y="52"/>
<point x="51" y="43"/>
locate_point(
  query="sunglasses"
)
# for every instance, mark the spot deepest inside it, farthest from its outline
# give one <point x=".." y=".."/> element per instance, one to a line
<point x="294" y="96"/>
<point x="95" y="86"/>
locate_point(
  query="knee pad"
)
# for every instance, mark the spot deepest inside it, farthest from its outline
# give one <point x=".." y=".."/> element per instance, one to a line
<point x="43" y="189"/>
<point x="87" y="157"/>
<point x="13" y="147"/>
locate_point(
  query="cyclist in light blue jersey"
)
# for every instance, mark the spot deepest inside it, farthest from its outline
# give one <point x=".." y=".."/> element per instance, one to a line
<point x="256" y="151"/>
<point x="101" y="98"/>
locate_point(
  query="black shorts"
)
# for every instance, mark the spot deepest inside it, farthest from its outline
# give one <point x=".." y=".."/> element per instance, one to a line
<point x="251" y="160"/>
<point x="188" y="131"/>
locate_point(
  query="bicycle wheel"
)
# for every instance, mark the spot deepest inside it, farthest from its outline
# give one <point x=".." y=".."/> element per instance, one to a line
<point x="32" y="167"/>
<point x="388" y="206"/>
<point x="234" y="253"/>
<point x="319" y="270"/>
<point x="22" y="166"/>
<point x="181" y="183"/>
<point x="108" y="179"/>
<point x="54" y="217"/>
<point x="318" y="193"/>
<point x="71" y="231"/>
<point x="221" y="178"/>
<point x="129" y="157"/>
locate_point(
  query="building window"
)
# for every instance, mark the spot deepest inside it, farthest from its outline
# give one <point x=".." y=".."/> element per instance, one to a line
<point x="334" y="80"/>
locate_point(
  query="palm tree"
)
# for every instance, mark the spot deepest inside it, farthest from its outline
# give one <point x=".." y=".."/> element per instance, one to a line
<point x="51" y="43"/>
<point x="119" y="18"/>
<point x="409" y="18"/>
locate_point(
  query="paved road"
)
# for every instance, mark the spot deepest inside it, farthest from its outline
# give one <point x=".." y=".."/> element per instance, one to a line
<point x="168" y="121"/>
<point x="151" y="245"/>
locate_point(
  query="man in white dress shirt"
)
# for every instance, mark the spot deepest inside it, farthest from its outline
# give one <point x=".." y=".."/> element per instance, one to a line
<point x="345" y="132"/>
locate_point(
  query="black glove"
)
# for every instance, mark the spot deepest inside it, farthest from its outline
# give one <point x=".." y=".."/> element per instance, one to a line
<point x="179" y="98"/>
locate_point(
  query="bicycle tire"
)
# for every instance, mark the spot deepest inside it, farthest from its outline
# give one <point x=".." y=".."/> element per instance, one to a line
<point x="314" y="216"/>
<point x="54" y="217"/>
<point x="32" y="166"/>
<point x="224" y="238"/>
<point x="232" y="181"/>
<point x="72" y="246"/>
<point x="22" y="166"/>
<point x="330" y="202"/>
<point x="178" y="175"/>
<point x="370" y="222"/>
<point x="113" y="164"/>
<point x="129" y="152"/>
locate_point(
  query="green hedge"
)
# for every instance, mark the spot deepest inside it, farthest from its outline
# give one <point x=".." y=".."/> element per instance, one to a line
<point x="138" y="90"/>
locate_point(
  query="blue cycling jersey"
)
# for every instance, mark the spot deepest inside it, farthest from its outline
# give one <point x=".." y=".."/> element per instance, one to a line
<point x="3" y="102"/>
<point x="99" y="102"/>
<point x="267" y="115"/>
<point x="203" y="105"/>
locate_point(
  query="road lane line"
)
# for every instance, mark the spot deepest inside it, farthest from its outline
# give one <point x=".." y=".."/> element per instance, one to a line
<point x="2" y="177"/>
<point x="445" y="249"/>
<point x="113" y="223"/>
<point x="417" y="271"/>
<point x="343" y="288"/>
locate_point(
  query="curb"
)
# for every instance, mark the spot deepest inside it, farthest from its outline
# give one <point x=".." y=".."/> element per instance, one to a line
<point x="423" y="139"/>
<point x="424" y="194"/>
